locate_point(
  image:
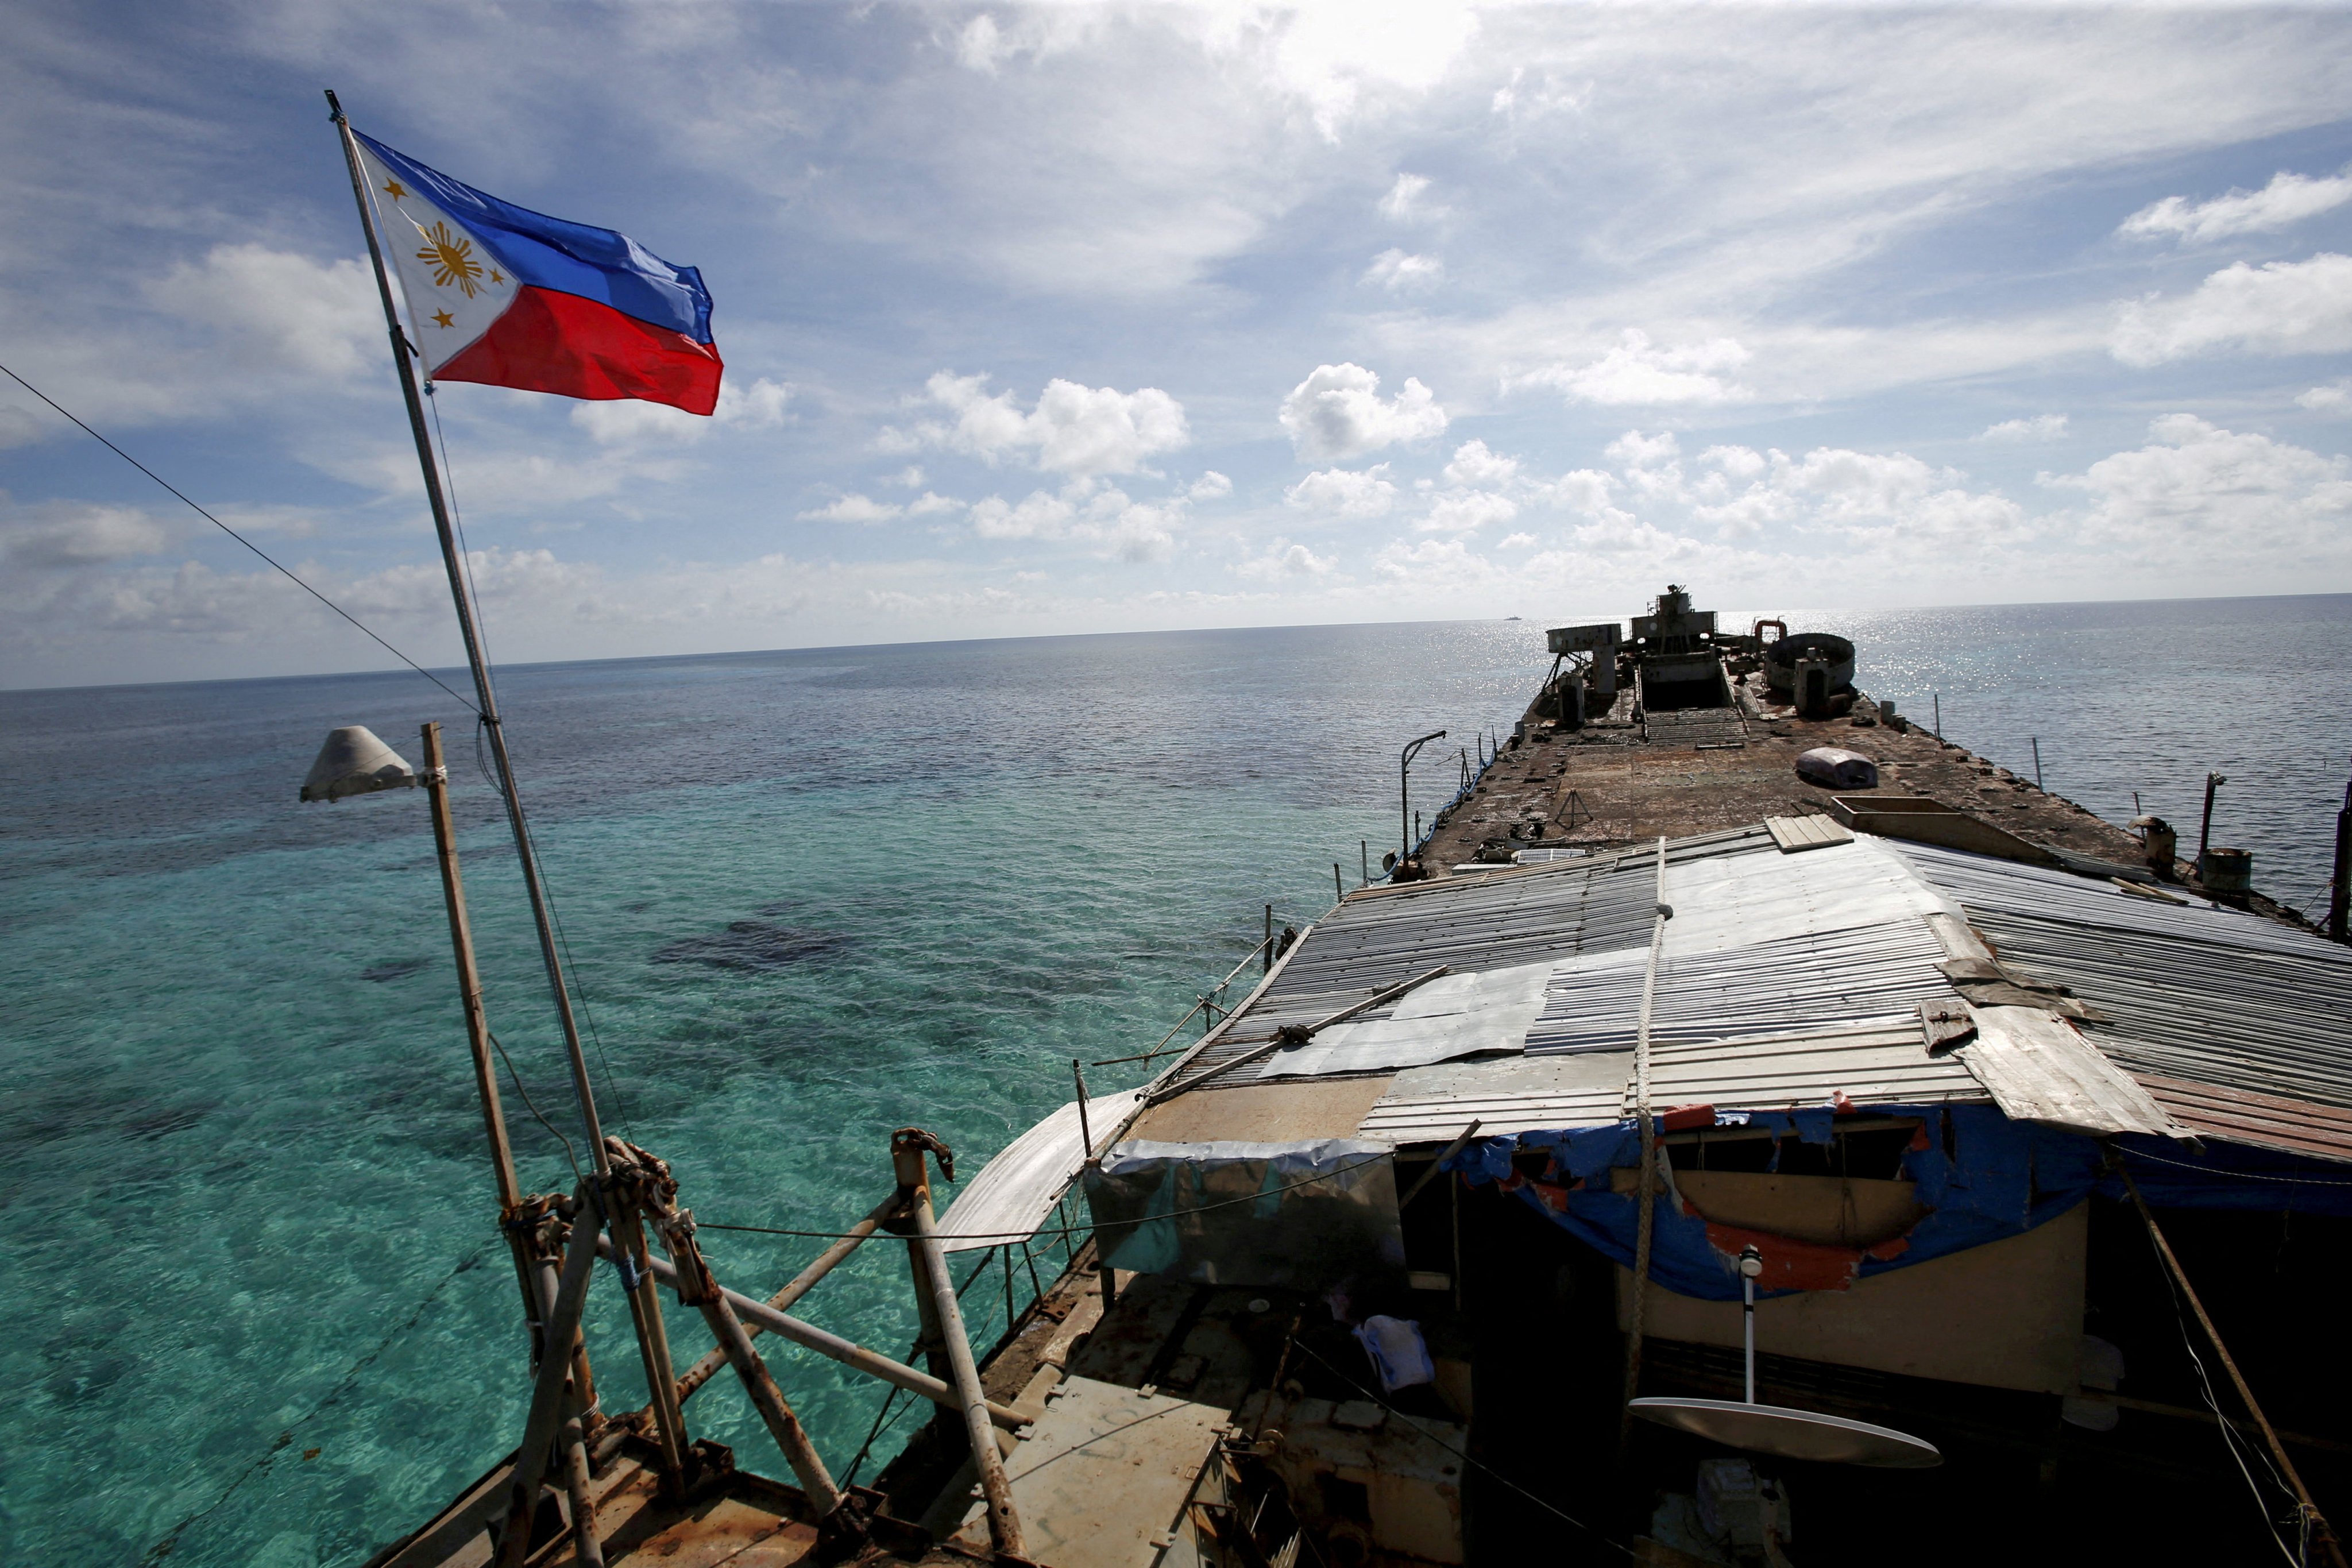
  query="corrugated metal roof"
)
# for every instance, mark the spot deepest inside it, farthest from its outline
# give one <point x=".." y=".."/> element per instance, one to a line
<point x="1512" y="1094"/>
<point x="1474" y="924"/>
<point x="2197" y="995"/>
<point x="1788" y="979"/>
<point x="1761" y="944"/>
<point x="1874" y="1061"/>
<point x="2282" y="1123"/>
<point x="1882" y="1061"/>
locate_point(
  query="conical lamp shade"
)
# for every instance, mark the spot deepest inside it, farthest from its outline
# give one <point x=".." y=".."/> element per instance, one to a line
<point x="353" y="762"/>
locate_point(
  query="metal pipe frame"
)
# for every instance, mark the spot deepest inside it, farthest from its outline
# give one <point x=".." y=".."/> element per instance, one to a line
<point x="1004" y="1532"/>
<point x="834" y="1347"/>
<point x="799" y="1285"/>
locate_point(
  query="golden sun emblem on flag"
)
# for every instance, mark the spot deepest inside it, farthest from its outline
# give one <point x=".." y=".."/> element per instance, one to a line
<point x="451" y="258"/>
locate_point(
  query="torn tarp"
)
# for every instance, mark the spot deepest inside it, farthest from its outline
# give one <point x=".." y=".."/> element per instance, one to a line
<point x="1295" y="1216"/>
<point x="1979" y="1175"/>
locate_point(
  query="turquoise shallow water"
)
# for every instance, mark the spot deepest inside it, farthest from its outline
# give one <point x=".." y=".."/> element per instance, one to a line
<point x="811" y="897"/>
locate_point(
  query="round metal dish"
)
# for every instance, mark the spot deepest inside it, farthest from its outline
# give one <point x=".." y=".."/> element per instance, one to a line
<point x="1792" y="1434"/>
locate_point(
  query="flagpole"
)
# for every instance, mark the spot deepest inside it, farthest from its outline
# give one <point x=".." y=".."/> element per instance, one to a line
<point x="450" y="559"/>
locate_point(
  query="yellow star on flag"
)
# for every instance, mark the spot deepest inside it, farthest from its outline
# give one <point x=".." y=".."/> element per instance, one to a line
<point x="444" y="319"/>
<point x="394" y="189"/>
<point x="496" y="276"/>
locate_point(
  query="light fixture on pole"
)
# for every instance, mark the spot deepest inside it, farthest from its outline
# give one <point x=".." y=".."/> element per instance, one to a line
<point x="354" y="762"/>
<point x="1404" y="790"/>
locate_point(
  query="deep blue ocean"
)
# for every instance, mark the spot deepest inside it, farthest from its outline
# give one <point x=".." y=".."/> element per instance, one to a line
<point x="809" y="896"/>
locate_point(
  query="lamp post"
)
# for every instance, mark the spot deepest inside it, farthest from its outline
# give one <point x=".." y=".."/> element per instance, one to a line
<point x="1404" y="792"/>
<point x="354" y="762"/>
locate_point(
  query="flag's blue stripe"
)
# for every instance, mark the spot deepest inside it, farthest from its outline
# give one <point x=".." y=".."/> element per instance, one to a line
<point x="571" y="258"/>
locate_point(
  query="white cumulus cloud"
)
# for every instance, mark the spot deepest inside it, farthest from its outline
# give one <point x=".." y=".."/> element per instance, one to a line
<point x="1475" y="465"/>
<point x="1337" y="413"/>
<point x="761" y="405"/>
<point x="853" y="508"/>
<point x="2288" y="199"/>
<point x="19" y="427"/>
<point x="1465" y="511"/>
<point x="76" y="534"/>
<point x="1082" y="431"/>
<point x="1344" y="492"/>
<point x="2334" y="398"/>
<point x="1397" y="272"/>
<point x="1640" y="372"/>
<point x="1405" y="202"/>
<point x="276" y="310"/>
<point x="1103" y="516"/>
<point x="2280" y="308"/>
<point x="2041" y="428"/>
<point x="1284" y="559"/>
<point x="2199" y="490"/>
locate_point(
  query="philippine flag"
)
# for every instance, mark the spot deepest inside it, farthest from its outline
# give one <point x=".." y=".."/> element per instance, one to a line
<point x="508" y="297"/>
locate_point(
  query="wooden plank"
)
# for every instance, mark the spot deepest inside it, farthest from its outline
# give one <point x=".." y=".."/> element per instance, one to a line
<point x="1796" y="833"/>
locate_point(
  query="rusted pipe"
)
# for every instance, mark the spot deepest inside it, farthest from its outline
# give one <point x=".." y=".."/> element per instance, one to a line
<point x="835" y="1348"/>
<point x="2205" y="827"/>
<point x="587" y="1551"/>
<point x="653" y="1344"/>
<point x="801" y="1284"/>
<point x="776" y="1411"/>
<point x="1003" y="1521"/>
<point x="551" y="1393"/>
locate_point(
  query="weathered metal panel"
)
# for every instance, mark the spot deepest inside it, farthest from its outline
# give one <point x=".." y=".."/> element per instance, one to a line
<point x="1452" y="1016"/>
<point x="1511" y="1094"/>
<point x="1015" y="1191"/>
<point x="2197" y="994"/>
<point x="1882" y="1061"/>
<point x="2250" y="1118"/>
<point x="2039" y="1070"/>
<point x="1103" y="1476"/>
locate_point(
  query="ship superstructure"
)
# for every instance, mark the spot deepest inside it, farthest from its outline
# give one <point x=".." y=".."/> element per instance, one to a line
<point x="1733" y="1070"/>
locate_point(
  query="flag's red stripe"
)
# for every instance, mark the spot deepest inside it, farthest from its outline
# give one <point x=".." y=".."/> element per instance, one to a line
<point x="550" y="342"/>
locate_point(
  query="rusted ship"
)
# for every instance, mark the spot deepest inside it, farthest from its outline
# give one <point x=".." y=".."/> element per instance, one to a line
<point x="1744" y="1129"/>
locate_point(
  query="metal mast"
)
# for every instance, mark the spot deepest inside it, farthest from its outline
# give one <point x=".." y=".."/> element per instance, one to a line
<point x="487" y="701"/>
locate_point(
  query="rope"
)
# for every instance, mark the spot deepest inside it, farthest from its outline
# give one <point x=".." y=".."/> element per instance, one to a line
<point x="516" y="1078"/>
<point x="239" y="538"/>
<point x="163" y="1548"/>
<point x="2242" y="1176"/>
<point x="2231" y="1440"/>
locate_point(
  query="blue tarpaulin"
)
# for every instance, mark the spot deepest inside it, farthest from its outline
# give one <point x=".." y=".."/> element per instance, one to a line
<point x="1981" y="1176"/>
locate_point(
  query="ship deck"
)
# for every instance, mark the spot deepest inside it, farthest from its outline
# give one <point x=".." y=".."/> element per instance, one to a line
<point x="1176" y="1421"/>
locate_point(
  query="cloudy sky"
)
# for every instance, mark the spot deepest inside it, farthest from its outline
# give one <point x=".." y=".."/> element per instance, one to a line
<point x="1080" y="319"/>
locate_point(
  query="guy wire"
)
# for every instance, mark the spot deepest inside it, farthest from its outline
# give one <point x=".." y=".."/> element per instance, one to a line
<point x="241" y="539"/>
<point x="482" y="639"/>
